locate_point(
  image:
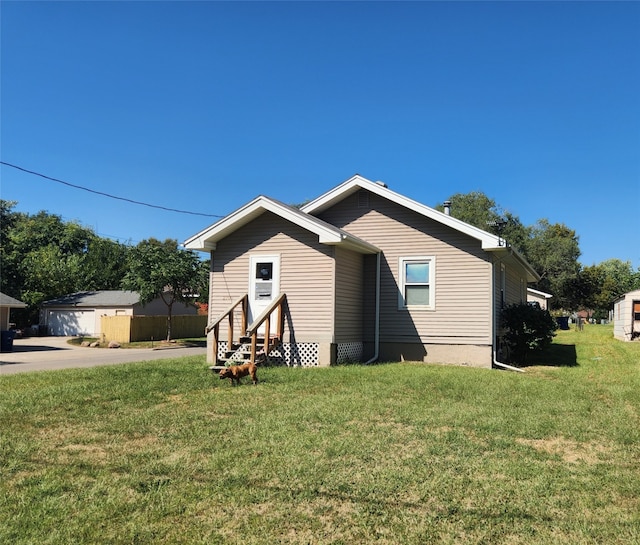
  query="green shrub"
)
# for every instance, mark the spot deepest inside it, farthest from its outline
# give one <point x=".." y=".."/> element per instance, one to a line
<point x="527" y="328"/>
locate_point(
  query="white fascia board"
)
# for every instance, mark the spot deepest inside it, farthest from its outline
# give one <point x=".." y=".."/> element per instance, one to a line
<point x="207" y="239"/>
<point x="327" y="233"/>
<point x="533" y="274"/>
<point x="334" y="195"/>
<point x="488" y="240"/>
<point x="540" y="293"/>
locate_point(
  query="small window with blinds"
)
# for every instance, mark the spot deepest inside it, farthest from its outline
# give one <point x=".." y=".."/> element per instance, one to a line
<point x="417" y="283"/>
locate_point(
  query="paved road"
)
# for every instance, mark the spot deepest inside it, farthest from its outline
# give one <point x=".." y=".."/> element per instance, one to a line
<point x="49" y="353"/>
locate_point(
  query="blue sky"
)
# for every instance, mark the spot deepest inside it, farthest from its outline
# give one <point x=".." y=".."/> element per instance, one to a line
<point x="201" y="106"/>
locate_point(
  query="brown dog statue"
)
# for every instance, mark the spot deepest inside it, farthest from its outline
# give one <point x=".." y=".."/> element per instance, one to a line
<point x="236" y="372"/>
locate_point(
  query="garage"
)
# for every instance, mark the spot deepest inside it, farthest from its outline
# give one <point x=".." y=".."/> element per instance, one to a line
<point x="81" y="313"/>
<point x="69" y="323"/>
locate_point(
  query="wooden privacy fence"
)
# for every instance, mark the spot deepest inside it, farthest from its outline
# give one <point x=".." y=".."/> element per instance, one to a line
<point x="125" y="329"/>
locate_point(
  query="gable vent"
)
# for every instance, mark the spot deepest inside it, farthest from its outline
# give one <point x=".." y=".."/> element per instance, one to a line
<point x="363" y="199"/>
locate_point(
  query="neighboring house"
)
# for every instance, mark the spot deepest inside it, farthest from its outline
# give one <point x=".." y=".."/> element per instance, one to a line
<point x="540" y="297"/>
<point x="626" y="316"/>
<point x="6" y="336"/>
<point x="368" y="274"/>
<point x="80" y="313"/>
<point x="6" y="304"/>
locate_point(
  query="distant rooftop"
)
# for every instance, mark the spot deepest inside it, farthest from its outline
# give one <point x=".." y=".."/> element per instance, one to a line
<point x="102" y="298"/>
<point x="7" y="301"/>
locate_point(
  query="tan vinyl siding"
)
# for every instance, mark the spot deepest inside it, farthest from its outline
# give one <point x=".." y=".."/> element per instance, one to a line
<point x="514" y="293"/>
<point x="370" y="268"/>
<point x="497" y="297"/>
<point x="349" y="293"/>
<point x="462" y="312"/>
<point x="306" y="273"/>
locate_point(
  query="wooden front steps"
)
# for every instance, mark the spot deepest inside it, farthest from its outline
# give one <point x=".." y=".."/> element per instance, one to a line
<point x="241" y="352"/>
<point x="252" y="344"/>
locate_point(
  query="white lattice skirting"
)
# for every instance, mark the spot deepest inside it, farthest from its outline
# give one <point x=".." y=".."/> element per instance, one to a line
<point x="305" y="354"/>
<point x="350" y="352"/>
<point x="290" y="354"/>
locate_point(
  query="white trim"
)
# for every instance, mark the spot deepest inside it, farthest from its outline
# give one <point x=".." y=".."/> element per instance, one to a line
<point x="357" y="182"/>
<point x="207" y="239"/>
<point x="539" y="293"/>
<point x="488" y="241"/>
<point x="431" y="260"/>
<point x="255" y="308"/>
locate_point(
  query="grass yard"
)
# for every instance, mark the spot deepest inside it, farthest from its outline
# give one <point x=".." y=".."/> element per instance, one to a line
<point x="164" y="452"/>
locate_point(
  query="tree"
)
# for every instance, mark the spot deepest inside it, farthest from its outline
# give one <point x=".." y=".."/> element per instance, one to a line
<point x="44" y="257"/>
<point x="551" y="249"/>
<point x="8" y="218"/>
<point x="479" y="210"/>
<point x="161" y="269"/>
<point x="104" y="264"/>
<point x="553" y="252"/>
<point x="50" y="273"/>
<point x="474" y="208"/>
<point x="599" y="285"/>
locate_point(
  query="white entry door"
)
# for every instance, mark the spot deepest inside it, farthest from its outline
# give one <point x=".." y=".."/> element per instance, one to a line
<point x="264" y="283"/>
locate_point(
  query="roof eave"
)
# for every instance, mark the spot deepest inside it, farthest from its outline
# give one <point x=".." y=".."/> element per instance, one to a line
<point x="357" y="182"/>
<point x="532" y="275"/>
<point x="207" y="239"/>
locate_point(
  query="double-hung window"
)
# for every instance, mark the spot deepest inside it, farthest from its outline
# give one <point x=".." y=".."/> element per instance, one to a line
<point x="417" y="283"/>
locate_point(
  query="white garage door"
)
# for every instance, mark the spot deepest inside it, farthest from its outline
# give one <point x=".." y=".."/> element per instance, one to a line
<point x="68" y="323"/>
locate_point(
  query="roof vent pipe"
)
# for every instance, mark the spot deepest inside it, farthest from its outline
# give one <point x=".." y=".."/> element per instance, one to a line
<point x="447" y="207"/>
<point x="381" y="183"/>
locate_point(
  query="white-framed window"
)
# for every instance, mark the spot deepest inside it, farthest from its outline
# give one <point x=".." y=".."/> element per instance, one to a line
<point x="417" y="282"/>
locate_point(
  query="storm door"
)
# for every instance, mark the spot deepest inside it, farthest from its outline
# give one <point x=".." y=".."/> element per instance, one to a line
<point x="264" y="283"/>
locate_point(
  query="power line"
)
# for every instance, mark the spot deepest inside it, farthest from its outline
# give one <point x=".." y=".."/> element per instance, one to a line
<point x="107" y="194"/>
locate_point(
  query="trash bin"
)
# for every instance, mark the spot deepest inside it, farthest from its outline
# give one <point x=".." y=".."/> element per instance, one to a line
<point x="563" y="322"/>
<point x="6" y="341"/>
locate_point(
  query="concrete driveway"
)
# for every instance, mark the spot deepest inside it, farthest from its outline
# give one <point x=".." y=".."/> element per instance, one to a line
<point x="49" y="353"/>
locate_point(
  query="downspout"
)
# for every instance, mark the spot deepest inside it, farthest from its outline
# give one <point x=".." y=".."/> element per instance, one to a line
<point x="376" y="341"/>
<point x="493" y="326"/>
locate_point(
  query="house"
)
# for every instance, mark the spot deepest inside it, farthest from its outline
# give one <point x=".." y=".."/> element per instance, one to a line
<point x="6" y="335"/>
<point x="540" y="297"/>
<point x="6" y="304"/>
<point x="626" y="316"/>
<point x="361" y="273"/>
<point x="80" y="313"/>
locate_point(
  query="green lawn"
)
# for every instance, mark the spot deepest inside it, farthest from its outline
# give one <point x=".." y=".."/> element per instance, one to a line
<point x="165" y="452"/>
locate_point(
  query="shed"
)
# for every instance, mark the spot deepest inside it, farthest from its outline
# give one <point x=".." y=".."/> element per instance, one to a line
<point x="626" y="316"/>
<point x="540" y="297"/>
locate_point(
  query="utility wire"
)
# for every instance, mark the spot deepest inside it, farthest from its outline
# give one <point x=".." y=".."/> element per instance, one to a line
<point x="107" y="194"/>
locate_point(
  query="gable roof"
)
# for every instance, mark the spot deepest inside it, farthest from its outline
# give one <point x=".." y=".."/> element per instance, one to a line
<point x="488" y="241"/>
<point x="7" y="301"/>
<point x="357" y="182"/>
<point x="101" y="298"/>
<point x="305" y="217"/>
<point x="207" y="239"/>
